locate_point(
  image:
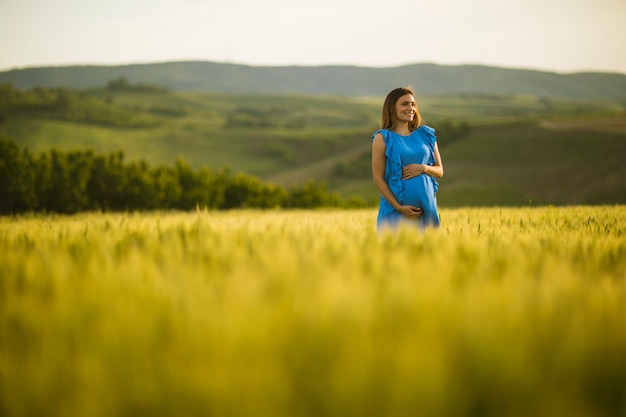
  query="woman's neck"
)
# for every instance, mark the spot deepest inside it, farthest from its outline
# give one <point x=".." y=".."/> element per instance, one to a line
<point x="401" y="129"/>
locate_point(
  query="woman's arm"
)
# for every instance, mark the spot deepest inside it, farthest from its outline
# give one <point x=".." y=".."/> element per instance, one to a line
<point x="378" y="174"/>
<point x="435" y="170"/>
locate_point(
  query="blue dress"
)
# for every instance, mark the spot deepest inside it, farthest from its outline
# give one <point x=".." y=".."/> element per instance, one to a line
<point x="420" y="191"/>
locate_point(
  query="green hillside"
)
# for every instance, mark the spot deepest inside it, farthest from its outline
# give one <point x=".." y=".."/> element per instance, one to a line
<point x="497" y="149"/>
<point x="427" y="79"/>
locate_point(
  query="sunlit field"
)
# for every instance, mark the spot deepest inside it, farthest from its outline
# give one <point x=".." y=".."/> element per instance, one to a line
<point x="501" y="312"/>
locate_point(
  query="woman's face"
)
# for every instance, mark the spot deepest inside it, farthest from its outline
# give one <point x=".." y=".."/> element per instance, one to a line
<point x="405" y="108"/>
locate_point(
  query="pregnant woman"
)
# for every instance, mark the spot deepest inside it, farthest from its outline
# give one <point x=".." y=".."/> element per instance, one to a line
<point x="405" y="163"/>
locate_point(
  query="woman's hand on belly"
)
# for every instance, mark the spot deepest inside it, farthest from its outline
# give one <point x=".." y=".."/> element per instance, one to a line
<point x="412" y="170"/>
<point x="410" y="212"/>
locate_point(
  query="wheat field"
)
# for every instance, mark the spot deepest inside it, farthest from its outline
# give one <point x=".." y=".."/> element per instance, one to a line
<point x="501" y="312"/>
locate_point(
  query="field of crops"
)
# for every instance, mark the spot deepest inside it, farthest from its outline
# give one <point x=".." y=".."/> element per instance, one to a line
<point x="501" y="312"/>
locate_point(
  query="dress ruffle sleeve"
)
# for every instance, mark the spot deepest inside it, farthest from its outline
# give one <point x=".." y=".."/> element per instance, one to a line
<point x="431" y="139"/>
<point x="393" y="168"/>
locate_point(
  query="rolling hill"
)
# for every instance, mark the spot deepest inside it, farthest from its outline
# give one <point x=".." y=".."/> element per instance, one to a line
<point x="518" y="150"/>
<point x="425" y="78"/>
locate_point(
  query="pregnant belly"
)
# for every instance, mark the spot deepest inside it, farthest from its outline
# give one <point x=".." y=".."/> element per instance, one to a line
<point x="417" y="190"/>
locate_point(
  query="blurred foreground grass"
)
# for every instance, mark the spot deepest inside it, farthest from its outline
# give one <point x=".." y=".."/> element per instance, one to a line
<point x="501" y="312"/>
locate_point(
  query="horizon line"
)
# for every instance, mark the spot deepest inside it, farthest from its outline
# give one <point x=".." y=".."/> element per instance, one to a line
<point x="209" y="61"/>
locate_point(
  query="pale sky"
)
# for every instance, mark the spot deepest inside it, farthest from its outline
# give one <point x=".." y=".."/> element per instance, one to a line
<point x="553" y="35"/>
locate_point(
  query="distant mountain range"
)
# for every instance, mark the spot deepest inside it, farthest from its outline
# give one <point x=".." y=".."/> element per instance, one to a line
<point x="425" y="78"/>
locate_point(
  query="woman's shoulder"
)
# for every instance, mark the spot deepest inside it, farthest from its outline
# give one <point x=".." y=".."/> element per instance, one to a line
<point x="428" y="132"/>
<point x="426" y="129"/>
<point x="383" y="132"/>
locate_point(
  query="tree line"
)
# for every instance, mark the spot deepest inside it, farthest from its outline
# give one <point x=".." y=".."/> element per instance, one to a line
<point x="88" y="106"/>
<point x="80" y="180"/>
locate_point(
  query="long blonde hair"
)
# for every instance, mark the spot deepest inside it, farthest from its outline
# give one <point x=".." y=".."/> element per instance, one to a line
<point x="389" y="109"/>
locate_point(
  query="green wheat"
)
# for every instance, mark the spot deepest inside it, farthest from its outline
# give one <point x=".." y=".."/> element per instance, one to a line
<point x="501" y="312"/>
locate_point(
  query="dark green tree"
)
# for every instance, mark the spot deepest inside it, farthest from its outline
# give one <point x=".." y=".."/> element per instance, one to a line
<point x="137" y="188"/>
<point x="17" y="192"/>
<point x="167" y="187"/>
<point x="76" y="181"/>
<point x="246" y="191"/>
<point x="105" y="182"/>
<point x="63" y="180"/>
<point x="312" y="194"/>
<point x="198" y="188"/>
